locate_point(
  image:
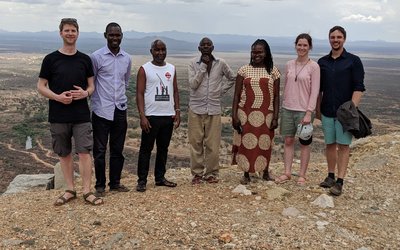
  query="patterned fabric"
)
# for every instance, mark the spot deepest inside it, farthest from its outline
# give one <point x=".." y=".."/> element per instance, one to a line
<point x="252" y="148"/>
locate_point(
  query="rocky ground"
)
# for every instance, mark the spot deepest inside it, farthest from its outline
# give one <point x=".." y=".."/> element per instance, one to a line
<point x="206" y="216"/>
<point x="211" y="216"/>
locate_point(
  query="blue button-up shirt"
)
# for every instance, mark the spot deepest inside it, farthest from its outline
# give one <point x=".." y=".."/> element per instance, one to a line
<point x="340" y="77"/>
<point x="111" y="75"/>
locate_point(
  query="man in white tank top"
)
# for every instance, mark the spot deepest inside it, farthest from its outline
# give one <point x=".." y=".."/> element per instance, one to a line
<point x="157" y="100"/>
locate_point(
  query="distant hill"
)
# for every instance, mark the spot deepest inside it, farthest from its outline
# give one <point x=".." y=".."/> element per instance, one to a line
<point x="177" y="42"/>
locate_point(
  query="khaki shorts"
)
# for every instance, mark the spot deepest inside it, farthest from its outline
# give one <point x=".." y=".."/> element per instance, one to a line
<point x="62" y="134"/>
<point x="289" y="121"/>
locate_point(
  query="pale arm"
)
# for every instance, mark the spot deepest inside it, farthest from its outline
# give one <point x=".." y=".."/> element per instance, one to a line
<point x="356" y="98"/>
<point x="44" y="90"/>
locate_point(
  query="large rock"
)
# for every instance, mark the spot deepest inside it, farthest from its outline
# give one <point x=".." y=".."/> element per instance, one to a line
<point x="277" y="193"/>
<point x="241" y="189"/>
<point x="24" y="182"/>
<point x="324" y="201"/>
<point x="290" y="212"/>
<point x="59" y="181"/>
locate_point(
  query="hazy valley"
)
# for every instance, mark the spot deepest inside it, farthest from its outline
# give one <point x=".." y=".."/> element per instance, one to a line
<point x="207" y="216"/>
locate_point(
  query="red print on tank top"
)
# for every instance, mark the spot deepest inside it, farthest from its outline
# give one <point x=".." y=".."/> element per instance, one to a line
<point x="168" y="75"/>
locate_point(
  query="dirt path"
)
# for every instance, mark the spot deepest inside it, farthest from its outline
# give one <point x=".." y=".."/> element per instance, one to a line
<point x="33" y="155"/>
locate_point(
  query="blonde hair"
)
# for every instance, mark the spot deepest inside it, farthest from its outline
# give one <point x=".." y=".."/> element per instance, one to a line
<point x="71" y="21"/>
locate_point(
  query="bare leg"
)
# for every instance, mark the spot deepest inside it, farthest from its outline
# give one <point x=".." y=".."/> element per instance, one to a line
<point x="304" y="159"/>
<point x="288" y="155"/>
<point x="85" y="169"/>
<point x="331" y="157"/>
<point x="343" y="160"/>
<point x="68" y="173"/>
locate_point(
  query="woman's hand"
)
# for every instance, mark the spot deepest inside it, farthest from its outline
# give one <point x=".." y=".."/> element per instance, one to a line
<point x="306" y="118"/>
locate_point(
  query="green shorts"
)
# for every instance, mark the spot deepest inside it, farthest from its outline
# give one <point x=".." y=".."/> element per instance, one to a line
<point x="289" y="121"/>
<point x="62" y="133"/>
<point x="333" y="132"/>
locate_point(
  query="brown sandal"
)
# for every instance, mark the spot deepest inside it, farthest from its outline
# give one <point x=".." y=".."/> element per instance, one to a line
<point x="62" y="200"/>
<point x="93" y="202"/>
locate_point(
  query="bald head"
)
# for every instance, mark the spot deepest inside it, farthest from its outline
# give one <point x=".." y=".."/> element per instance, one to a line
<point x="206" y="46"/>
<point x="155" y="43"/>
<point x="205" y="40"/>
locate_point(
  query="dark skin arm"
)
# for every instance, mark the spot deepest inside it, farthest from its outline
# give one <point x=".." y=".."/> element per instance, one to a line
<point x="140" y="88"/>
<point x="207" y="59"/>
<point x="236" y="99"/>
<point x="274" y="123"/>
<point x="177" y="118"/>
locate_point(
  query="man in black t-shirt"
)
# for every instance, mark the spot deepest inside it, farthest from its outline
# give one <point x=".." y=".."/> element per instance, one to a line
<point x="66" y="79"/>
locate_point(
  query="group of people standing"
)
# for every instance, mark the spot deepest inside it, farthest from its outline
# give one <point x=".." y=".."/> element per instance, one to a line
<point x="68" y="77"/>
<point x="311" y="90"/>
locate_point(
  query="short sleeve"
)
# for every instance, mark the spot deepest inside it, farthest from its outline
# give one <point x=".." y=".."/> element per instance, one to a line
<point x="275" y="73"/>
<point x="242" y="71"/>
<point x="45" y="68"/>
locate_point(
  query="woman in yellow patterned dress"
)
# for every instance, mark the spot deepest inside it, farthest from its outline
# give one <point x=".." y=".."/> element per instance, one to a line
<point x="255" y="112"/>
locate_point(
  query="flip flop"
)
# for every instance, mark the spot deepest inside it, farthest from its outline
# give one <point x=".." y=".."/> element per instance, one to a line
<point x="301" y="181"/>
<point x="62" y="200"/>
<point x="282" y="179"/>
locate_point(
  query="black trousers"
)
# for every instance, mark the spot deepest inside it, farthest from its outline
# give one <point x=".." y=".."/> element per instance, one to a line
<point x="161" y="133"/>
<point x="116" y="130"/>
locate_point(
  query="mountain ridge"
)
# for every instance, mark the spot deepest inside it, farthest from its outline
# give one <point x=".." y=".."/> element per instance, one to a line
<point x="177" y="42"/>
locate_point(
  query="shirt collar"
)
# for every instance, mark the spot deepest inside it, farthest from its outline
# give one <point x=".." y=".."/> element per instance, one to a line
<point x="344" y="54"/>
<point x="106" y="51"/>
<point x="216" y="59"/>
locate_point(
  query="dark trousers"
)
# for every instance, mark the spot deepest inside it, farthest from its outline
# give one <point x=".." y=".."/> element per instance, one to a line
<point x="160" y="132"/>
<point x="116" y="130"/>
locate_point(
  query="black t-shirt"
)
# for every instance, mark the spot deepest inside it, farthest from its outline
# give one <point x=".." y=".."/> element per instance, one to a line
<point x="62" y="72"/>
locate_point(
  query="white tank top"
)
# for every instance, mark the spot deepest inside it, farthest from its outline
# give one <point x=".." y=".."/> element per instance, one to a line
<point x="159" y="92"/>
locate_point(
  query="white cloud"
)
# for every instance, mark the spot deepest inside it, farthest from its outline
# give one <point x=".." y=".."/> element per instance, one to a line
<point x="246" y="17"/>
<point x="362" y="18"/>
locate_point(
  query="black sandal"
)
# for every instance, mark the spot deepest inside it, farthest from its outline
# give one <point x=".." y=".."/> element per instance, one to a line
<point x="65" y="200"/>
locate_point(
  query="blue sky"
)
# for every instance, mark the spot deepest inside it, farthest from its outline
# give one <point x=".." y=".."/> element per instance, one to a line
<point x="363" y="19"/>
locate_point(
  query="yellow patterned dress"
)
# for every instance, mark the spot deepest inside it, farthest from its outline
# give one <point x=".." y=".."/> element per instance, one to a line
<point x="252" y="149"/>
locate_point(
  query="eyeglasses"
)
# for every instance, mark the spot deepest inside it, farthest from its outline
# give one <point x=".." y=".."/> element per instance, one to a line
<point x="69" y="20"/>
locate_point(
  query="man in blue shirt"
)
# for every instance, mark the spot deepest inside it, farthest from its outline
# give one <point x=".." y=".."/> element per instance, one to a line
<point x="342" y="80"/>
<point x="112" y="69"/>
